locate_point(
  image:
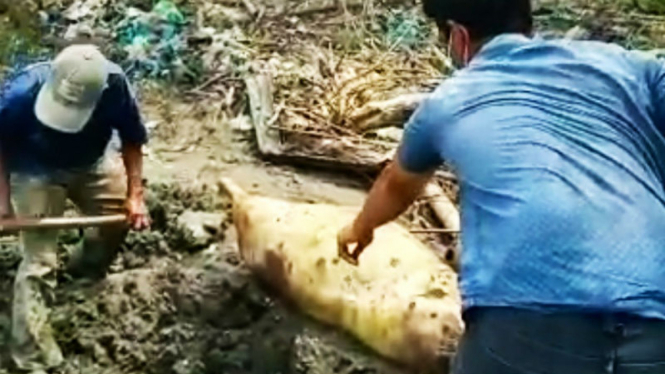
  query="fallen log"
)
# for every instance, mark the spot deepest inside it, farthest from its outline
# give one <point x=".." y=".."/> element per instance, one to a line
<point x="446" y="213"/>
<point x="444" y="209"/>
<point x="393" y="112"/>
<point x="401" y="300"/>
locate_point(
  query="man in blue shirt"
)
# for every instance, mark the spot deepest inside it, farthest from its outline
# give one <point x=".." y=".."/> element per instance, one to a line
<point x="560" y="150"/>
<point x="56" y="123"/>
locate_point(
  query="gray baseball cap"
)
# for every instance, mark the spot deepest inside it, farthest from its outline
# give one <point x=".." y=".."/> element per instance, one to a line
<point x="68" y="98"/>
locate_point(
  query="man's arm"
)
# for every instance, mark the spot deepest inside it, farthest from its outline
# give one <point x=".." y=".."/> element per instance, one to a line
<point x="133" y="159"/>
<point x="392" y="193"/>
<point x="133" y="135"/>
<point x="400" y="183"/>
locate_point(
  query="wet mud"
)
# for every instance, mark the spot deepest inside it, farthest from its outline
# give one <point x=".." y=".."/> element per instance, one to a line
<point x="179" y="300"/>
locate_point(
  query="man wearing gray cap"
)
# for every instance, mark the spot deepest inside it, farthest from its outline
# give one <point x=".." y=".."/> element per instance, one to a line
<point x="56" y="123"/>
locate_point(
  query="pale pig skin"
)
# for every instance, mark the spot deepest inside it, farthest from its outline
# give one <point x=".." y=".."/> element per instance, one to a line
<point x="401" y="300"/>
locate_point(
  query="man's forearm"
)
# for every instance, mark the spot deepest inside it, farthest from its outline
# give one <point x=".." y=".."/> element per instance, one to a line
<point x="393" y="192"/>
<point x="133" y="159"/>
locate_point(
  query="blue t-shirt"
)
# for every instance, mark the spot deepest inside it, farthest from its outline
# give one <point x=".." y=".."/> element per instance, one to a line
<point x="30" y="147"/>
<point x="560" y="152"/>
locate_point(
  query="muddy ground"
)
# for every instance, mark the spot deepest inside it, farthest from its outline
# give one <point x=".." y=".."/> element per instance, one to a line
<point x="178" y="300"/>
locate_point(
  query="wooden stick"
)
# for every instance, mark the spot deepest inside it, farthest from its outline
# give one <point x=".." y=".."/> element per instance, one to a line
<point x="59" y="222"/>
<point x="210" y="81"/>
<point x="251" y="8"/>
<point x="443" y="208"/>
<point x="445" y="211"/>
<point x="393" y="112"/>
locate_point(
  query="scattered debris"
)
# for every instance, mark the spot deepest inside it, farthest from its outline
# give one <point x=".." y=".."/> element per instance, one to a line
<point x="392" y="112"/>
<point x="204" y="226"/>
<point x="390" y="134"/>
<point x="323" y="150"/>
<point x="651" y="6"/>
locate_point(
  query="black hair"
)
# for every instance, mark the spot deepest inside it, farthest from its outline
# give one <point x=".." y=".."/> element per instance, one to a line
<point x="483" y="18"/>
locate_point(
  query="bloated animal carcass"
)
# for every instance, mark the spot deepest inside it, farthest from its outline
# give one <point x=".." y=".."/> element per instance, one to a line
<point x="401" y="300"/>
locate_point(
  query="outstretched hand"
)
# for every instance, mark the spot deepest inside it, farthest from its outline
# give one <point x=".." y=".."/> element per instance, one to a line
<point x="348" y="237"/>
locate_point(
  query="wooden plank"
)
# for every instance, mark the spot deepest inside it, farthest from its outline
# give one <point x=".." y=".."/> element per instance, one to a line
<point x="260" y="94"/>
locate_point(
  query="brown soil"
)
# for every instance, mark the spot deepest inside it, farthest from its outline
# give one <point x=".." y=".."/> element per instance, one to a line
<point x="174" y="303"/>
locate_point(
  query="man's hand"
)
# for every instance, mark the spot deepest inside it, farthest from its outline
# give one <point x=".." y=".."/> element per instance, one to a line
<point x="349" y="236"/>
<point x="137" y="213"/>
<point x="392" y="193"/>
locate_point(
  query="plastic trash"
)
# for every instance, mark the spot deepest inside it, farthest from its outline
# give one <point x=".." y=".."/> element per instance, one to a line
<point x="154" y="42"/>
<point x="169" y="12"/>
<point x="405" y="29"/>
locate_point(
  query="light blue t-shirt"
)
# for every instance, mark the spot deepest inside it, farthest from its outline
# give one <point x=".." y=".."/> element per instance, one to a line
<point x="560" y="150"/>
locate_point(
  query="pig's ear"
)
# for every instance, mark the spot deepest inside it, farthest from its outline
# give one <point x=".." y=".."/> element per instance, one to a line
<point x="229" y="186"/>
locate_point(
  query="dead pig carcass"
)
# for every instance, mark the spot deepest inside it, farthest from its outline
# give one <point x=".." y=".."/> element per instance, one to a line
<point x="402" y="300"/>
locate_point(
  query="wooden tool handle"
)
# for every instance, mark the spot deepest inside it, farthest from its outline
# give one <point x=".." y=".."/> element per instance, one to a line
<point x="59" y="223"/>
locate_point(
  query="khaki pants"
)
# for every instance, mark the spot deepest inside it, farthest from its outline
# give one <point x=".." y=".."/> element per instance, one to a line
<point x="95" y="191"/>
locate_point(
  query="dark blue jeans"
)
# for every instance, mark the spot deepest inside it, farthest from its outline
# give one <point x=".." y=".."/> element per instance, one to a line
<point x="511" y="341"/>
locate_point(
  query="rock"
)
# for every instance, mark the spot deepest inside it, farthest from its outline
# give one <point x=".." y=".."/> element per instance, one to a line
<point x="241" y="123"/>
<point x="220" y="16"/>
<point x="85" y="9"/>
<point x="204" y="226"/>
<point x="312" y="355"/>
<point x="10" y="255"/>
<point x="79" y="30"/>
<point x="392" y="134"/>
<point x="228" y="340"/>
<point x="539" y="5"/>
<point x="578" y="33"/>
<point x="186" y="366"/>
<point x="217" y="361"/>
